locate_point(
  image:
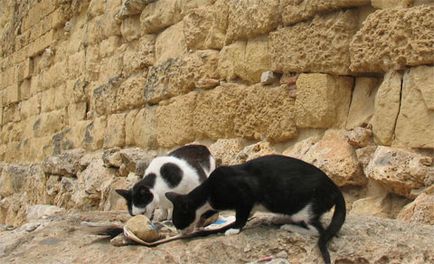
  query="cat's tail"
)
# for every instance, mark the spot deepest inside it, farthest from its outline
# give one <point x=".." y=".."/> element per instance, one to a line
<point x="336" y="223"/>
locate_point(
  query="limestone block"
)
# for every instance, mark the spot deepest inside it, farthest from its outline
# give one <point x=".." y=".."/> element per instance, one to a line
<point x="110" y="68"/>
<point x="130" y="93"/>
<point x="25" y="89"/>
<point x="321" y="45"/>
<point x="359" y="137"/>
<point x="170" y="43"/>
<point x="254" y="151"/>
<point x="129" y="127"/>
<point x="11" y="113"/>
<point x="204" y="28"/>
<point x="215" y="111"/>
<point x="12" y="179"/>
<point x="145" y="128"/>
<point x="224" y="150"/>
<point x="245" y="60"/>
<point x="60" y="100"/>
<point x="160" y="14"/>
<point x="49" y="123"/>
<point x="415" y="123"/>
<point x="95" y="30"/>
<point x="265" y="114"/>
<point x="322" y="100"/>
<point x="336" y="157"/>
<point x="383" y="4"/>
<point x="297" y="11"/>
<point x="96" y="8"/>
<point x="175" y="121"/>
<point x="421" y="210"/>
<point x="91" y="184"/>
<point x="103" y="97"/>
<point x="76" y="64"/>
<point x="248" y="19"/>
<point x="178" y="76"/>
<point x="12" y="94"/>
<point x="398" y="170"/>
<point x="394" y="38"/>
<point x="48" y="100"/>
<point x="138" y="54"/>
<point x="31" y="107"/>
<point x="76" y="112"/>
<point x="65" y="164"/>
<point x="387" y="103"/>
<point x="362" y="104"/>
<point x="130" y="28"/>
<point x="114" y="135"/>
<point x="75" y="90"/>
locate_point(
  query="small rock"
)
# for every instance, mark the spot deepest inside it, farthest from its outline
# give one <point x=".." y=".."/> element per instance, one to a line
<point x="112" y="158"/>
<point x="207" y="83"/>
<point x="268" y="77"/>
<point x="359" y="137"/>
<point x="282" y="254"/>
<point x="31" y="227"/>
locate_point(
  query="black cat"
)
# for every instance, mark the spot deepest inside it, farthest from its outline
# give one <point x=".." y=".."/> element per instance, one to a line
<point x="278" y="184"/>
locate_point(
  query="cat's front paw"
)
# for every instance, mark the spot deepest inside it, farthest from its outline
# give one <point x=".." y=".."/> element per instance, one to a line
<point x="232" y="231"/>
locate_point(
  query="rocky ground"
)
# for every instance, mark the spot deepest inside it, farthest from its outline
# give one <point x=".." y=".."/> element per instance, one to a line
<point x="59" y="238"/>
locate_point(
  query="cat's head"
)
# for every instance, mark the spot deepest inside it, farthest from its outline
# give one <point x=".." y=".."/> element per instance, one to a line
<point x="184" y="215"/>
<point x="140" y="199"/>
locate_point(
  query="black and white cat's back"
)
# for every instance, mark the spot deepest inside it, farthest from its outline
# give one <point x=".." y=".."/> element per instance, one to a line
<point x="181" y="171"/>
<point x="274" y="183"/>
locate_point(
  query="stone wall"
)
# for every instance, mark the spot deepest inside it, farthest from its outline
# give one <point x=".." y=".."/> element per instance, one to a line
<point x="325" y="81"/>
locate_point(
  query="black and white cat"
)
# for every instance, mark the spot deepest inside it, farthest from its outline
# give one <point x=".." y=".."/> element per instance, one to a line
<point x="180" y="171"/>
<point x="273" y="183"/>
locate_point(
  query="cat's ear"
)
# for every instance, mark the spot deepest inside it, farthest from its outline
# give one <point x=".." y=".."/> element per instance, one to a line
<point x="172" y="196"/>
<point x="123" y="193"/>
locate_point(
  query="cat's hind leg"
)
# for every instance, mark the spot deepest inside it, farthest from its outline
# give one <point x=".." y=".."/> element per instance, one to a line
<point x="241" y="217"/>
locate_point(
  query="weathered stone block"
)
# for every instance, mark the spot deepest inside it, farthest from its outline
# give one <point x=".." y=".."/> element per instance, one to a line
<point x="387" y="103"/>
<point x="362" y="103"/>
<point x="130" y="28"/>
<point x="322" y="100"/>
<point x="170" y="43"/>
<point x="175" y="121"/>
<point x="399" y="171"/>
<point x="215" y="111"/>
<point x="12" y="179"/>
<point x="204" y="28"/>
<point x="249" y="19"/>
<point x="76" y="64"/>
<point x="103" y="97"/>
<point x="65" y="164"/>
<point x="108" y="46"/>
<point x="110" y="68"/>
<point x="138" y="55"/>
<point x="31" y="107"/>
<point x="332" y="154"/>
<point x="245" y="60"/>
<point x="49" y="123"/>
<point x="76" y="112"/>
<point x="265" y="114"/>
<point x="224" y="150"/>
<point x="114" y="135"/>
<point x="393" y="38"/>
<point x="321" y="45"/>
<point x="297" y="11"/>
<point x="145" y="128"/>
<point x="12" y="94"/>
<point x="129" y="127"/>
<point x="421" y="210"/>
<point x="25" y="89"/>
<point x="415" y="123"/>
<point x="48" y="100"/>
<point x="159" y="15"/>
<point x="178" y="76"/>
<point x="130" y="93"/>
